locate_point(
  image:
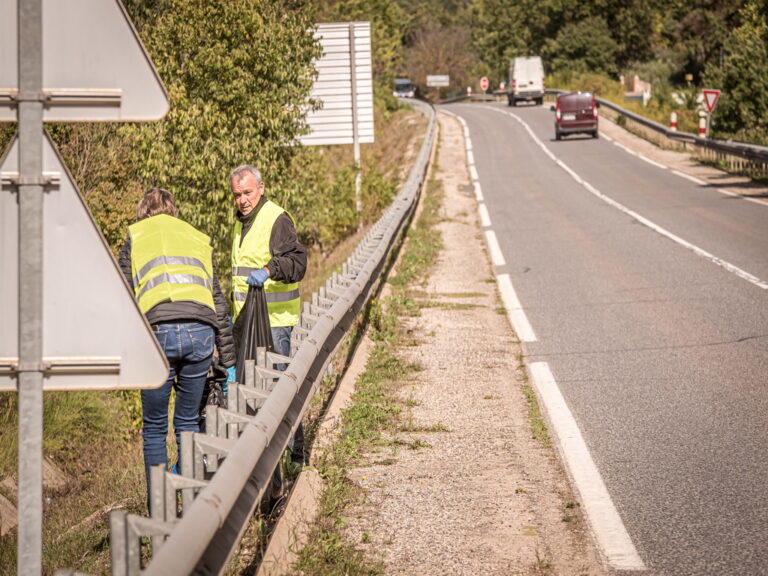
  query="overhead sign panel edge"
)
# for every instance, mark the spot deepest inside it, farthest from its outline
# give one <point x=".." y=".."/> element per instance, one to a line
<point x="95" y="67"/>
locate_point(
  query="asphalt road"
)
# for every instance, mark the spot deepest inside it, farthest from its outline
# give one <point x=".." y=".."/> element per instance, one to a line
<point x="647" y="296"/>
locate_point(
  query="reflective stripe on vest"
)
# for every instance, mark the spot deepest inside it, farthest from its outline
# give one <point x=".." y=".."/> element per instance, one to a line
<point x="283" y="303"/>
<point x="271" y="296"/>
<point x="170" y="261"/>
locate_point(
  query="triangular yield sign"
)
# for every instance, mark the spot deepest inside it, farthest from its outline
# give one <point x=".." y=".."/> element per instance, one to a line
<point x="95" y="67"/>
<point x="710" y="99"/>
<point x="94" y="336"/>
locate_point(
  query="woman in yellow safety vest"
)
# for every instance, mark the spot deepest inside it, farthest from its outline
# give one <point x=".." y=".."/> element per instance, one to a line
<point x="169" y="265"/>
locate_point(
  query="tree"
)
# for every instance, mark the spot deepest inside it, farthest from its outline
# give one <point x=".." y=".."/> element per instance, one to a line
<point x="583" y="47"/>
<point x="743" y="77"/>
<point x="388" y="26"/>
<point x="631" y="25"/>
<point x="441" y="50"/>
<point x="239" y="74"/>
<point x="502" y="30"/>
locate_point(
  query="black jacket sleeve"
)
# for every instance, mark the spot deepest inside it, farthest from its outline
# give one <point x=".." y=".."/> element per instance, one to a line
<point x="124" y="261"/>
<point x="225" y="342"/>
<point x="289" y="257"/>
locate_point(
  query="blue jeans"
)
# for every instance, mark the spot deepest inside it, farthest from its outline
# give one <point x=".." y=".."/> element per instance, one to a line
<point x="281" y="340"/>
<point x="189" y="350"/>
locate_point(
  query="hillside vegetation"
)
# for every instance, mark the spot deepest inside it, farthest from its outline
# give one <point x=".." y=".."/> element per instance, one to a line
<point x="678" y="46"/>
<point x="239" y="73"/>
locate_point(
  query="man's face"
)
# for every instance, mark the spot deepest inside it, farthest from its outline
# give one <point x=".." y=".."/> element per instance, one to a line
<point x="246" y="192"/>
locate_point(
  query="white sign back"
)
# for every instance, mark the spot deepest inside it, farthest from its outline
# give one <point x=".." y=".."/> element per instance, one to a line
<point x="94" y="336"/>
<point x="94" y="65"/>
<point x="344" y="90"/>
<point x="439" y="80"/>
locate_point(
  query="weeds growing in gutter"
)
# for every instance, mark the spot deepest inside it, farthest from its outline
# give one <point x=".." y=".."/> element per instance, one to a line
<point x="374" y="416"/>
<point x="538" y="424"/>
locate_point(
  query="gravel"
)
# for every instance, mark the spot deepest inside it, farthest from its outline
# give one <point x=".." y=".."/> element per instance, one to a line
<point x="481" y="496"/>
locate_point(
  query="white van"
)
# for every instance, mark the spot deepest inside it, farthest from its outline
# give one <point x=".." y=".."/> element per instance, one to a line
<point x="526" y="80"/>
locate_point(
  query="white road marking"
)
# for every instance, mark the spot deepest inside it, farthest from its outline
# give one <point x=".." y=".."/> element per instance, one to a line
<point x="485" y="219"/>
<point x="640" y="155"/>
<point x="478" y="191"/>
<point x="652" y="162"/>
<point x="627" y="150"/>
<point x="515" y="311"/>
<point x="747" y="198"/>
<point x="497" y="258"/>
<point x="609" y="530"/>
<point x="607" y="525"/>
<point x="691" y="178"/>
<point x="735" y="270"/>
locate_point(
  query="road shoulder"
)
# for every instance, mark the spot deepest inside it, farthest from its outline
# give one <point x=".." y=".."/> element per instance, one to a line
<point x="685" y="163"/>
<point x="480" y="495"/>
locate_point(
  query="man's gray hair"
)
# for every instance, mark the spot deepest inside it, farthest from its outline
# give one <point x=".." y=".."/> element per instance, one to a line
<point x="240" y="172"/>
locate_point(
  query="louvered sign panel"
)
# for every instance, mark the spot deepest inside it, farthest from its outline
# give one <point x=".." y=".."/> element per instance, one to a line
<point x="345" y="100"/>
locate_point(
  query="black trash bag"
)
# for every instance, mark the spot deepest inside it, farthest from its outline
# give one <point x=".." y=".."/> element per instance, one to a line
<point x="213" y="393"/>
<point x="252" y="329"/>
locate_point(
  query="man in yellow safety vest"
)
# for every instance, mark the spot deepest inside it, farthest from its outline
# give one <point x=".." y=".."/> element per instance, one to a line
<point x="266" y="252"/>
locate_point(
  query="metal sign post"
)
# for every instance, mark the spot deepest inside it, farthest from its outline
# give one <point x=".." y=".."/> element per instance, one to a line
<point x="30" y="375"/>
<point x="64" y="61"/>
<point x="355" y="129"/>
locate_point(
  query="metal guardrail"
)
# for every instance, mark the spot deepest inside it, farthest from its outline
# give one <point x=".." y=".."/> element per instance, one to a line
<point x="200" y="515"/>
<point x="739" y="157"/>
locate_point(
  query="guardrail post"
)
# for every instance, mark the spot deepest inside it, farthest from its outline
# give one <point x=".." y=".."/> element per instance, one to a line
<point x="211" y="422"/>
<point x="118" y="543"/>
<point x="157" y="499"/>
<point x="187" y="467"/>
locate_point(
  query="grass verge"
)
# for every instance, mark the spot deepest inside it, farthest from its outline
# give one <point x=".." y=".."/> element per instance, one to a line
<point x="97" y="465"/>
<point x="93" y="439"/>
<point x="375" y="415"/>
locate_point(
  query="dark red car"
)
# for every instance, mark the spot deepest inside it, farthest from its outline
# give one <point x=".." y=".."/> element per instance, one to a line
<point x="575" y="113"/>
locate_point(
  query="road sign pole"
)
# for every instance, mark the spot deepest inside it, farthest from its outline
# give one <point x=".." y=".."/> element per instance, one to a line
<point x="355" y="132"/>
<point x="30" y="375"/>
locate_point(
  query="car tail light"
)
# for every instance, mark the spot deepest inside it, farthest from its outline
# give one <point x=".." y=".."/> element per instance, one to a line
<point x="557" y="112"/>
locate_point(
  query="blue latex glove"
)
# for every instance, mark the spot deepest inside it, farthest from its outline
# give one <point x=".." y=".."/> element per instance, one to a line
<point x="231" y="377"/>
<point x="258" y="277"/>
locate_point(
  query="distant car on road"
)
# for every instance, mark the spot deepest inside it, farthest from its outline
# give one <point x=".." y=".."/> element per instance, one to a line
<point x="575" y="113"/>
<point x="404" y="88"/>
<point x="526" y="81"/>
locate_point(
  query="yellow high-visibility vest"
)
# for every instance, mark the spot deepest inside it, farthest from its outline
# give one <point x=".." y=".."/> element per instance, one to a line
<point x="283" y="302"/>
<point x="170" y="261"/>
